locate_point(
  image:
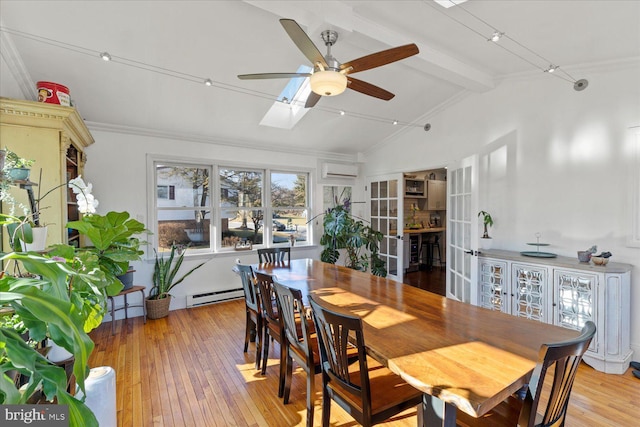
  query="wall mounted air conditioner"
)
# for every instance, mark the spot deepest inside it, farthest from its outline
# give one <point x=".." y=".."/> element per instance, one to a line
<point x="339" y="170"/>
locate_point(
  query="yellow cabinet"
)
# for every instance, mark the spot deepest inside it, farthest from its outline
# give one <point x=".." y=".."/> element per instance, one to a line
<point x="55" y="137"/>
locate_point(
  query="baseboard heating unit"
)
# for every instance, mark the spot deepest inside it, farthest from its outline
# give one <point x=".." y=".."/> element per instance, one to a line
<point x="197" y="300"/>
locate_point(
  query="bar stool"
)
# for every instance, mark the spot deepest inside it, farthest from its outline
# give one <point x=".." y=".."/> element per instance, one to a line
<point x="126" y="305"/>
<point x="434" y="247"/>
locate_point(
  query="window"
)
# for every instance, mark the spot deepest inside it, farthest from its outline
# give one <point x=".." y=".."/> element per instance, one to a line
<point x="289" y="207"/>
<point x="241" y="207"/>
<point x="166" y="192"/>
<point x="207" y="208"/>
<point x="183" y="205"/>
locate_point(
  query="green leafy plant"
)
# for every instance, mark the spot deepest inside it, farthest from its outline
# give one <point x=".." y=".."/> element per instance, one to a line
<point x="165" y="272"/>
<point x="487" y="221"/>
<point x="61" y="296"/>
<point x="44" y="304"/>
<point x="114" y="243"/>
<point x="361" y="242"/>
<point x="14" y="161"/>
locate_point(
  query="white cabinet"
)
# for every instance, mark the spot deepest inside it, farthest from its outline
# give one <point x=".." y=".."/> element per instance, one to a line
<point x="530" y="291"/>
<point x="436" y="195"/>
<point x="575" y="300"/>
<point x="566" y="293"/>
<point x="514" y="288"/>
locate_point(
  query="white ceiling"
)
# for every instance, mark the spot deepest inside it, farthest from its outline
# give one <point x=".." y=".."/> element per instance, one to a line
<point x="60" y="42"/>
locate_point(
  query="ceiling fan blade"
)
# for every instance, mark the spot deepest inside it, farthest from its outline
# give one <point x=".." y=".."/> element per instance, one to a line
<point x="302" y="40"/>
<point x="380" y="58"/>
<point x="312" y="100"/>
<point x="368" y="89"/>
<point x="262" y="76"/>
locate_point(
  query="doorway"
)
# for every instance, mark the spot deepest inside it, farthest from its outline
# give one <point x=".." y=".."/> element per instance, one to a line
<point x="424" y="236"/>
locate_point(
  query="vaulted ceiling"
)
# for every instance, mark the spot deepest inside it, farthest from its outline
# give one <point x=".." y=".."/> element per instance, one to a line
<point x="163" y="50"/>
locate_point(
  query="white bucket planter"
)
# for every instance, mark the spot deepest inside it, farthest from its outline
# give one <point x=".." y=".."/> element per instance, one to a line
<point x="39" y="240"/>
<point x="486" y="243"/>
<point x="101" y="395"/>
<point x="57" y="353"/>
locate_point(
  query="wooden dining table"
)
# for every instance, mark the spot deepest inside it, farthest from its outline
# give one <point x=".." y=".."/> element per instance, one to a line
<point x="462" y="357"/>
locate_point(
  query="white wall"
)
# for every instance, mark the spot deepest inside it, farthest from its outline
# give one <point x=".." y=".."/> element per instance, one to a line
<point x="552" y="160"/>
<point x="116" y="166"/>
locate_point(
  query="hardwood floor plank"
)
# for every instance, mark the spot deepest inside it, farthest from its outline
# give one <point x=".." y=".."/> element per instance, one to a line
<point x="189" y="370"/>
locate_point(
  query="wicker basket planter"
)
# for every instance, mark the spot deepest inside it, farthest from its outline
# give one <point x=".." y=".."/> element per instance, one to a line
<point x="158" y="308"/>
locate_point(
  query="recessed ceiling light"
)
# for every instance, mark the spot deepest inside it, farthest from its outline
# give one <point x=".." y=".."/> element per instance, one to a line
<point x="208" y="82"/>
<point x="105" y="56"/>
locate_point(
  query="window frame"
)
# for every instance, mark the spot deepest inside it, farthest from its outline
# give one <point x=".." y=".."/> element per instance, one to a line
<point x="215" y="165"/>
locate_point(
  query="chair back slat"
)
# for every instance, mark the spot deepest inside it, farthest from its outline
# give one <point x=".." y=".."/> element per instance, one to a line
<point x="564" y="358"/>
<point x="292" y="313"/>
<point x="335" y="332"/>
<point x="274" y="255"/>
<point x="267" y="297"/>
<point x="248" y="285"/>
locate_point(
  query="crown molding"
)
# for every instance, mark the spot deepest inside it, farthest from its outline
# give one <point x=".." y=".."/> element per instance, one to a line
<point x="151" y="133"/>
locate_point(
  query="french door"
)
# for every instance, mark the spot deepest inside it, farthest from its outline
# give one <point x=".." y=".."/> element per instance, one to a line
<point x="385" y="213"/>
<point x="462" y="230"/>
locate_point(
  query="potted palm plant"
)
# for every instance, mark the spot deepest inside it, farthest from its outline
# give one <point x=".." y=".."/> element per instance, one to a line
<point x="487" y="220"/>
<point x="164" y="279"/>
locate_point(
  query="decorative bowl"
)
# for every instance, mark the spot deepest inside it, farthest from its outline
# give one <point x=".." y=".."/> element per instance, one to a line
<point x="598" y="260"/>
<point x="584" y="256"/>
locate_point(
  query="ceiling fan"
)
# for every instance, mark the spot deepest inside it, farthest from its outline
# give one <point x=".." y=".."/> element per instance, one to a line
<point x="329" y="76"/>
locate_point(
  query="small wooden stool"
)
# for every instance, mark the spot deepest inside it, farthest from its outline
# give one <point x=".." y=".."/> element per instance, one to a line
<point x="126" y="305"/>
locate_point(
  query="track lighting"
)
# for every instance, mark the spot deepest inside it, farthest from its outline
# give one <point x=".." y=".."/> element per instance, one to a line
<point x="208" y="82"/>
<point x="105" y="56"/>
<point x="497" y="35"/>
<point x="552" y="68"/>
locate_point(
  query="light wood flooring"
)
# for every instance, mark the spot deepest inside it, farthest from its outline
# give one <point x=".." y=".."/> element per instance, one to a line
<point x="189" y="370"/>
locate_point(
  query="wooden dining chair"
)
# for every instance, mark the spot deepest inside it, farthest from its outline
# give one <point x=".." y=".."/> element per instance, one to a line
<point x="271" y="326"/>
<point x="274" y="255"/>
<point x="252" y="307"/>
<point x="564" y="357"/>
<point x="300" y="342"/>
<point x="368" y="391"/>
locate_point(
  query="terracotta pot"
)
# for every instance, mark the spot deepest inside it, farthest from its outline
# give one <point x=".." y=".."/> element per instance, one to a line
<point x="158" y="308"/>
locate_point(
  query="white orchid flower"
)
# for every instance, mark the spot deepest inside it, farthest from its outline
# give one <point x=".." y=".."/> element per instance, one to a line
<point x="78" y="185"/>
<point x="87" y="204"/>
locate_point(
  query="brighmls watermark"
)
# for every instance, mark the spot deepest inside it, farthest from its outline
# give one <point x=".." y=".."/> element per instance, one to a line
<point x="34" y="415"/>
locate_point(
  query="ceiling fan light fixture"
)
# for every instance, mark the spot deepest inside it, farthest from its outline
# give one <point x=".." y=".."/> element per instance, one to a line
<point x="328" y="83"/>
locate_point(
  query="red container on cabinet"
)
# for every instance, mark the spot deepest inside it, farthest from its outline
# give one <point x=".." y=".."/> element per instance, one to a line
<point x="53" y="93"/>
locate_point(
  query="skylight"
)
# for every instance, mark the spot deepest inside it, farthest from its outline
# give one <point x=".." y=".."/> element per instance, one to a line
<point x="287" y="111"/>
<point x="449" y="3"/>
